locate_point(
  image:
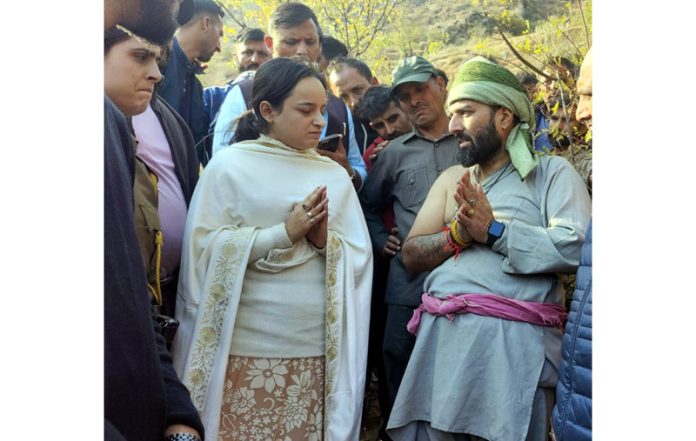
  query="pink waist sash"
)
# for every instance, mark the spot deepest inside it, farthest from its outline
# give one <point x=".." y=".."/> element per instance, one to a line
<point x="491" y="305"/>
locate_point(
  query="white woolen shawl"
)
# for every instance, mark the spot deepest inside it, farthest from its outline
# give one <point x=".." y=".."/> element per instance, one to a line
<point x="267" y="175"/>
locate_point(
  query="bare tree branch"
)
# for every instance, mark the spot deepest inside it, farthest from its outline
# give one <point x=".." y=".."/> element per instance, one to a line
<point x="241" y="24"/>
<point x="521" y="58"/>
<point x="582" y="14"/>
<point x="532" y="55"/>
<point x="546" y="18"/>
<point x="357" y="24"/>
<point x="381" y="22"/>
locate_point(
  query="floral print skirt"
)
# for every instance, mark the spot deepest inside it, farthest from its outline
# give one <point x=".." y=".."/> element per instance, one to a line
<point x="278" y="399"/>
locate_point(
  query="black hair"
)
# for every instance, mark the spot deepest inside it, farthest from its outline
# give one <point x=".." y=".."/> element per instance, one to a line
<point x="253" y="34"/>
<point x="207" y="8"/>
<point x="441" y="73"/>
<point x="560" y="97"/>
<point x="526" y="78"/>
<point x="362" y="68"/>
<point x="274" y="82"/>
<point x="332" y="48"/>
<point x="112" y="37"/>
<point x="155" y="21"/>
<point x="374" y="103"/>
<point x="289" y="15"/>
<point x="564" y="62"/>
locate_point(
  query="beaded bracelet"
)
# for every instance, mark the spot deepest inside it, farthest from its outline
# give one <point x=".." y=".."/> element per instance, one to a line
<point x="454" y="231"/>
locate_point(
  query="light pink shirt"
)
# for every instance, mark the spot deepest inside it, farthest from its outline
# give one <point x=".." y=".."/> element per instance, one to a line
<point x="154" y="150"/>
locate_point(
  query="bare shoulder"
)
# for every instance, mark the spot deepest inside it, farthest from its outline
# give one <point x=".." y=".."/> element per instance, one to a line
<point x="432" y="214"/>
<point x="449" y="178"/>
<point x="455" y="172"/>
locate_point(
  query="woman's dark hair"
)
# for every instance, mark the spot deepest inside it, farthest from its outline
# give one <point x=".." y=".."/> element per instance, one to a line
<point x="274" y="82"/>
<point x="112" y="37"/>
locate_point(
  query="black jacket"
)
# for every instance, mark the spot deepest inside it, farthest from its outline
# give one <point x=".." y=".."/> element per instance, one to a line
<point x="365" y="135"/>
<point x="142" y="394"/>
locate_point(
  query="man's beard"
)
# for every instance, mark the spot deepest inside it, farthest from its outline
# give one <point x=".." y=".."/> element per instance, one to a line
<point x="156" y="22"/>
<point x="250" y="66"/>
<point x="484" y="146"/>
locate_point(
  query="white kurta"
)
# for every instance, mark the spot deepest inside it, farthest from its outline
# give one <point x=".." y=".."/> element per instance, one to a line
<point x="245" y="192"/>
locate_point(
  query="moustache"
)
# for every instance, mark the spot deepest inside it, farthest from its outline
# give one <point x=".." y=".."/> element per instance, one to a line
<point x="461" y="136"/>
<point x="249" y="67"/>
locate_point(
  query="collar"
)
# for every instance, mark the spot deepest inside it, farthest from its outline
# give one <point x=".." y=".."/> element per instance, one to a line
<point x="246" y="75"/>
<point x="416" y="133"/>
<point x="267" y="142"/>
<point x="272" y="142"/>
<point x="498" y="174"/>
<point x="182" y="60"/>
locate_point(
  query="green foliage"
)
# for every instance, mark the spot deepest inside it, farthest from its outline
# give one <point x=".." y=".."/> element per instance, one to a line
<point x="356" y="24"/>
<point x="512" y="23"/>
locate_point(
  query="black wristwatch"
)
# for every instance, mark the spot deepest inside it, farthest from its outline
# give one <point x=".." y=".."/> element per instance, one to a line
<point x="495" y="231"/>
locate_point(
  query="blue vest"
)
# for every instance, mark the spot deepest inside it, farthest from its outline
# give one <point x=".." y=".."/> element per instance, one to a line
<point x="572" y="416"/>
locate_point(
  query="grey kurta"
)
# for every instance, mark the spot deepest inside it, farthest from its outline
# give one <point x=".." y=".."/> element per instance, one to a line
<point x="479" y="375"/>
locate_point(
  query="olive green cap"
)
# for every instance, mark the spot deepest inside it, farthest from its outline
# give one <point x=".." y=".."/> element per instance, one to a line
<point x="413" y="69"/>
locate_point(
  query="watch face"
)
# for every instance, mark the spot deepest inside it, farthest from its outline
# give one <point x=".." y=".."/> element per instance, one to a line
<point x="494" y="232"/>
<point x="496" y="229"/>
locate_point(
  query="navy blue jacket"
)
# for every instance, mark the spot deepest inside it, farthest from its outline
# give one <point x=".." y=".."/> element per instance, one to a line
<point x="182" y="90"/>
<point x="572" y="416"/>
<point x="213" y="97"/>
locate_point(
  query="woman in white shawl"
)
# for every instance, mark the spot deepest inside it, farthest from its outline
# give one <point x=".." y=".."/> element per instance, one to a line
<point x="275" y="279"/>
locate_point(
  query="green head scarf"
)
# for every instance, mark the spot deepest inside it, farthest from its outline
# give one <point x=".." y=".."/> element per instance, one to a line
<point x="483" y="81"/>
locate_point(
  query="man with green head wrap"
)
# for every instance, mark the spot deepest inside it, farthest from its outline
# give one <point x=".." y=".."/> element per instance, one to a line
<point x="495" y="233"/>
<point x="400" y="180"/>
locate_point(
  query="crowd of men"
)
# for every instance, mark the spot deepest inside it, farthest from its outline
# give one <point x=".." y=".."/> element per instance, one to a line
<point x="456" y="200"/>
